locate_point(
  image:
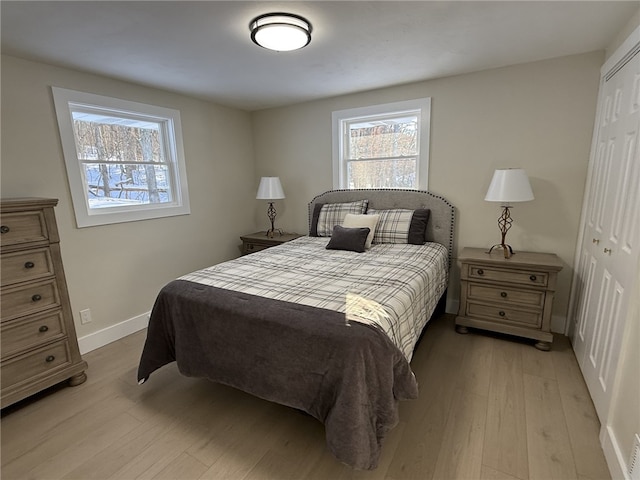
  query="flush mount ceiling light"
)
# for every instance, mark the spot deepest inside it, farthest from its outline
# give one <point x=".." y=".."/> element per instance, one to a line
<point x="280" y="31"/>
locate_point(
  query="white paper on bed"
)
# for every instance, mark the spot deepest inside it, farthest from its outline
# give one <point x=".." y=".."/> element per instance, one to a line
<point x="395" y="287"/>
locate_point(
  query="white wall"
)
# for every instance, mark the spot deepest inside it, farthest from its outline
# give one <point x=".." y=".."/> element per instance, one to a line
<point x="538" y="116"/>
<point x="117" y="270"/>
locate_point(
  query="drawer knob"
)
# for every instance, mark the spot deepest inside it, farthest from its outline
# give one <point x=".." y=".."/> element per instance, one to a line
<point x="480" y="271"/>
<point x="501" y="313"/>
<point x="503" y="294"/>
<point x="4" y="229"/>
<point x="36" y="297"/>
<point x="43" y="329"/>
<point x="50" y="359"/>
<point x="533" y="278"/>
<point x="29" y="265"/>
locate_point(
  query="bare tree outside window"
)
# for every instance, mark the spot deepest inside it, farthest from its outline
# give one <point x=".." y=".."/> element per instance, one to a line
<point x="382" y="146"/>
<point x="383" y="154"/>
<point x="125" y="160"/>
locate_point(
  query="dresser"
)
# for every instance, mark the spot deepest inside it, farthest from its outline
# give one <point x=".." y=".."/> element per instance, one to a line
<point x="39" y="344"/>
<point x="255" y="242"/>
<point x="508" y="295"/>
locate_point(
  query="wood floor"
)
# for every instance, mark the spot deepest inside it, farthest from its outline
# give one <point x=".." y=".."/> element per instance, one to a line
<point x="490" y="408"/>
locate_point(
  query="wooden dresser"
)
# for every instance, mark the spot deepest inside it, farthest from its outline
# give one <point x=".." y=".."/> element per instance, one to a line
<point x="508" y="295"/>
<point x="39" y="344"/>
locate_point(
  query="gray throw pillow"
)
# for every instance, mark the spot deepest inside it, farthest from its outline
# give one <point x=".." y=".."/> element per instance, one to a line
<point x="350" y="239"/>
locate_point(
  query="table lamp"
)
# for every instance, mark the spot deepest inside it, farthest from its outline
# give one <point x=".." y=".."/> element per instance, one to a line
<point x="508" y="185"/>
<point x="270" y="189"/>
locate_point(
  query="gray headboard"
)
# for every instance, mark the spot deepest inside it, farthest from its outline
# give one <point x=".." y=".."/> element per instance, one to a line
<point x="441" y="224"/>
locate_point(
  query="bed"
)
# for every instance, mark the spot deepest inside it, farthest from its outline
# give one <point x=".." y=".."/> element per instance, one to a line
<point x="328" y="331"/>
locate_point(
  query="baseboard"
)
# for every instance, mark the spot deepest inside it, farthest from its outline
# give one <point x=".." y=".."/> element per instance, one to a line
<point x="114" y="332"/>
<point x="612" y="454"/>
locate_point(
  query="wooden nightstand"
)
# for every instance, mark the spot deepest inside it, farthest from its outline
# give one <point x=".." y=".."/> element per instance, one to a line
<point x="508" y="295"/>
<point x="259" y="241"/>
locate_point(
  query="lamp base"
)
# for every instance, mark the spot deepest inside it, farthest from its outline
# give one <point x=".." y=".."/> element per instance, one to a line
<point x="271" y="213"/>
<point x="508" y="251"/>
<point x="271" y="232"/>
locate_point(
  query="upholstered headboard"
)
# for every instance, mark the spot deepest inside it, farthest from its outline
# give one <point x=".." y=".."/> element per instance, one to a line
<point x="441" y="224"/>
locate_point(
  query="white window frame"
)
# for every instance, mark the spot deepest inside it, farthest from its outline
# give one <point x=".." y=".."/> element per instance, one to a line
<point x="339" y="119"/>
<point x="65" y="102"/>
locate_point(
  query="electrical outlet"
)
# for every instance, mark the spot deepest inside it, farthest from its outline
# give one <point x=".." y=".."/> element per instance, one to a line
<point x="85" y="316"/>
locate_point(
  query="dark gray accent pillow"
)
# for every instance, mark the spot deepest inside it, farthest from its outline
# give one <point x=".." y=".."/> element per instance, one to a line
<point x="350" y="239"/>
<point x="418" y="227"/>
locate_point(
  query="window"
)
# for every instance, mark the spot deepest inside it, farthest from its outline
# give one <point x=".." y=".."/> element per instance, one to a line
<point x="125" y="160"/>
<point x="382" y="146"/>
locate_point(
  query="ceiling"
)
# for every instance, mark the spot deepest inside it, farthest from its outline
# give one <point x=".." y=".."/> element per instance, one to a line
<point x="203" y="48"/>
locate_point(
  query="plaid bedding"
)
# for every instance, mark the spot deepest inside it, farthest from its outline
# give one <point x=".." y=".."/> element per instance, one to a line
<point x="394" y="287"/>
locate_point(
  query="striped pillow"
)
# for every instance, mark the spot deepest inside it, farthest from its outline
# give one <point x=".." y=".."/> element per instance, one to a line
<point x="401" y="225"/>
<point x="331" y="214"/>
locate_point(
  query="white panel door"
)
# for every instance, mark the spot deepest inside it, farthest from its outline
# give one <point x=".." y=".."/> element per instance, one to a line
<point x="610" y="237"/>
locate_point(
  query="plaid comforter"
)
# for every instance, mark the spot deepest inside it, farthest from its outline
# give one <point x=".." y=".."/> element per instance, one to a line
<point x="394" y="287"/>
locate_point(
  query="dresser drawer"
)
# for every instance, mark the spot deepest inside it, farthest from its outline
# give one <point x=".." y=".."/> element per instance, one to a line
<point x="30" y="332"/>
<point x="505" y="295"/>
<point x="39" y="362"/>
<point x="29" y="298"/>
<point x="521" y="277"/>
<point x="26" y="265"/>
<point x="504" y="314"/>
<point x="23" y="227"/>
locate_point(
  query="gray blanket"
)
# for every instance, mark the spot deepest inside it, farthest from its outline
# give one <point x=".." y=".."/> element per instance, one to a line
<point x="348" y="377"/>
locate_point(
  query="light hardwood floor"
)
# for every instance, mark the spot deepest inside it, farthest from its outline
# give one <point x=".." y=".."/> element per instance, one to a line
<point x="490" y="407"/>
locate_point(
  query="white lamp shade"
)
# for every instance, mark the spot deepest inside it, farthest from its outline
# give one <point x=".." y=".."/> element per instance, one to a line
<point x="509" y="185"/>
<point x="270" y="189"/>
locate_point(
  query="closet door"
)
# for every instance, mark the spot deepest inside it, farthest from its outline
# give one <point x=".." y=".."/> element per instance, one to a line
<point x="609" y="247"/>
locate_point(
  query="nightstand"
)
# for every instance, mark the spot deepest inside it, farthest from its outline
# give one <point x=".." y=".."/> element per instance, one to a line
<point x="259" y="241"/>
<point x="508" y="295"/>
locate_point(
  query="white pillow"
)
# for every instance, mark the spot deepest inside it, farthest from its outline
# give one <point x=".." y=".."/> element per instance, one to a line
<point x="352" y="220"/>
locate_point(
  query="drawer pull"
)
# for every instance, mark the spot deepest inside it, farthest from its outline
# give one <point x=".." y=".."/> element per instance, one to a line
<point x="503" y="294"/>
<point x="501" y="313"/>
<point x="480" y="271"/>
<point x="29" y="265"/>
<point x="36" y="298"/>
<point x="50" y="359"/>
<point x="4" y="229"/>
<point x="43" y="329"/>
<point x="533" y="278"/>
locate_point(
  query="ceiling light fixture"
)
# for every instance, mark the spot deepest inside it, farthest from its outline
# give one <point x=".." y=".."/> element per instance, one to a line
<point x="280" y="31"/>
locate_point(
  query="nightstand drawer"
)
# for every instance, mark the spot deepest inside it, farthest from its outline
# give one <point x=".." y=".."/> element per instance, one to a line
<point x="261" y="241"/>
<point x="521" y="277"/>
<point x="505" y="295"/>
<point x="255" y="247"/>
<point x="504" y="314"/>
